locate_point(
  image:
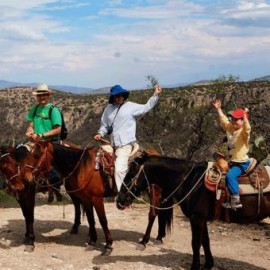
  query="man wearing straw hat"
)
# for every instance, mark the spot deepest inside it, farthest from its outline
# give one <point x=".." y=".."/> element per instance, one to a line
<point x="42" y="125"/>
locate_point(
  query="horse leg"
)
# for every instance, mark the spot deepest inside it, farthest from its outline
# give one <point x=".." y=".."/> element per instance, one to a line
<point x="89" y="210"/>
<point x="77" y="218"/>
<point x="197" y="227"/>
<point x="154" y="196"/>
<point x="151" y="218"/>
<point x="50" y="195"/>
<point x="100" y="210"/>
<point x="162" y="214"/>
<point x="27" y="204"/>
<point x="209" y="261"/>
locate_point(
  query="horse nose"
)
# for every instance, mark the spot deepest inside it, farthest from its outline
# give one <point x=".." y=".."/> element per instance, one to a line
<point x="28" y="177"/>
<point x="120" y="206"/>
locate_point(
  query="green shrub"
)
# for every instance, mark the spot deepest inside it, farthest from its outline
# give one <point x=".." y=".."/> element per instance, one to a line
<point x="7" y="200"/>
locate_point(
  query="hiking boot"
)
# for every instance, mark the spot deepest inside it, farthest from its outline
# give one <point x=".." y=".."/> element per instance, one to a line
<point x="227" y="205"/>
<point x="234" y="204"/>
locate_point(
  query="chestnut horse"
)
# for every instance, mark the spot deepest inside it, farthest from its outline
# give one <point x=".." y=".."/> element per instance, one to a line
<point x="184" y="181"/>
<point x="77" y="169"/>
<point x="12" y="160"/>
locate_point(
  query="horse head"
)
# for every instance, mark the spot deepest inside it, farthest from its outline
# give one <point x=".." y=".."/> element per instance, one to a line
<point x="38" y="161"/>
<point x="132" y="184"/>
<point x="10" y="168"/>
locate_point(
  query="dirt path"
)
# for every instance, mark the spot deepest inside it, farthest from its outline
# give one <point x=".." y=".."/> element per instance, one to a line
<point x="233" y="246"/>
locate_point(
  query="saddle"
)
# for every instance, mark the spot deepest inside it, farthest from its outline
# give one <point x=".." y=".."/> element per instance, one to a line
<point x="255" y="180"/>
<point x="105" y="158"/>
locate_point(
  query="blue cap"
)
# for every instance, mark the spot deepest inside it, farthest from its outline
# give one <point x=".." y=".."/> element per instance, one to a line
<point x="117" y="90"/>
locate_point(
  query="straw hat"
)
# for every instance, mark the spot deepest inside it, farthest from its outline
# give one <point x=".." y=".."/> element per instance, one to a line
<point x="42" y="89"/>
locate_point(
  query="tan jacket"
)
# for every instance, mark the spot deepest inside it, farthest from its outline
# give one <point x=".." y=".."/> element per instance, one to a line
<point x="239" y="139"/>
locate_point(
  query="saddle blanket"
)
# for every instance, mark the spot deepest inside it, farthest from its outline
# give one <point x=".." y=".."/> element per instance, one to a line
<point x="249" y="189"/>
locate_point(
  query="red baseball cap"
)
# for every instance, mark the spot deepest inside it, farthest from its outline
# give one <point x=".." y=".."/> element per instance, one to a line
<point x="238" y="113"/>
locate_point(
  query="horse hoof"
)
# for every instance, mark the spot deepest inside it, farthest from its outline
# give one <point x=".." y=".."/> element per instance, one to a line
<point x="141" y="247"/>
<point x="90" y="246"/>
<point x="74" y="231"/>
<point x="29" y="248"/>
<point x="158" y="241"/>
<point x="107" y="251"/>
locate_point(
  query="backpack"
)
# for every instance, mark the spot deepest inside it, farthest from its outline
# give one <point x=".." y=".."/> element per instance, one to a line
<point x="64" y="131"/>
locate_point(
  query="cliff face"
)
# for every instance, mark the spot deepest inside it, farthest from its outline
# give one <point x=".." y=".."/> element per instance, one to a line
<point x="183" y="124"/>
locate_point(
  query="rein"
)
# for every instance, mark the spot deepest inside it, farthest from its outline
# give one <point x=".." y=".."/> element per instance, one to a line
<point x="4" y="155"/>
<point x="134" y="179"/>
<point x="43" y="159"/>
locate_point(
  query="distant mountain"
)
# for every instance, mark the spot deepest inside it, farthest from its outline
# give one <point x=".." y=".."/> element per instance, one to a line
<point x="5" y="84"/>
<point x="65" y="88"/>
<point x="104" y="90"/>
<point x="265" y="78"/>
<point x="202" y="82"/>
<point x="72" y="89"/>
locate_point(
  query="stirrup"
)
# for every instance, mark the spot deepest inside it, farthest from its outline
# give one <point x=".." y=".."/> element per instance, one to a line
<point x="234" y="207"/>
<point x="226" y="205"/>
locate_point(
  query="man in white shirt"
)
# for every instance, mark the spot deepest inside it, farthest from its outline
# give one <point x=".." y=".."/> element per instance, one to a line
<point x="119" y="121"/>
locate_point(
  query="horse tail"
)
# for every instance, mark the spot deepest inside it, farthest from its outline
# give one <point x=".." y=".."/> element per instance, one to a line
<point x="165" y="217"/>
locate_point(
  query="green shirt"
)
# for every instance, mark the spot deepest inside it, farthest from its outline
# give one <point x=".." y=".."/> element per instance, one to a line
<point x="41" y="121"/>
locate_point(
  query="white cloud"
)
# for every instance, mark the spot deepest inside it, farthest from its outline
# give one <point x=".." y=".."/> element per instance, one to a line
<point x="172" y="39"/>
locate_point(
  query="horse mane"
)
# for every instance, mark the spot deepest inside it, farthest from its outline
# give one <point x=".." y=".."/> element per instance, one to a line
<point x="20" y="152"/>
<point x="69" y="156"/>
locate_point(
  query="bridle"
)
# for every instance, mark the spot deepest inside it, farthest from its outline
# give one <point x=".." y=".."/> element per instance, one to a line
<point x="133" y="183"/>
<point x="10" y="180"/>
<point x="43" y="159"/>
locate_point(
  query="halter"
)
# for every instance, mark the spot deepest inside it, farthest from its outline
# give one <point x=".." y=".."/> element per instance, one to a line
<point x="10" y="180"/>
<point x="134" y="183"/>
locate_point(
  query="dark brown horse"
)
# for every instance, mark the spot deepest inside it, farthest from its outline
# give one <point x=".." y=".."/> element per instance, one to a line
<point x="10" y="167"/>
<point x="77" y="169"/>
<point x="184" y="182"/>
<point x="12" y="160"/>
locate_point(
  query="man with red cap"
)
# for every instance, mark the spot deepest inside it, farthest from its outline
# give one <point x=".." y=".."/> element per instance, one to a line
<point x="238" y="133"/>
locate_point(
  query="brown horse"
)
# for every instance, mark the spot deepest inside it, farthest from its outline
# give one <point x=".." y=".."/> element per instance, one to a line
<point x="12" y="160"/>
<point x="76" y="167"/>
<point x="24" y="192"/>
<point x="10" y="169"/>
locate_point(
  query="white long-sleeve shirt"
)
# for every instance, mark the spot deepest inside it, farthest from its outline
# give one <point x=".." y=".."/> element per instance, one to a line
<point x="124" y="121"/>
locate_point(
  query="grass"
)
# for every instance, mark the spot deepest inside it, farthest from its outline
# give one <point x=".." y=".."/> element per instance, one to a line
<point x="7" y="201"/>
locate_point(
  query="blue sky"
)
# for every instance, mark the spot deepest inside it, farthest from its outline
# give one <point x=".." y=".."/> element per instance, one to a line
<point x="96" y="43"/>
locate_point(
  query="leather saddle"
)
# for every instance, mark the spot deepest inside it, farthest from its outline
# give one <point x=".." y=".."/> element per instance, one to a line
<point x="255" y="180"/>
<point x="256" y="175"/>
<point x="106" y="159"/>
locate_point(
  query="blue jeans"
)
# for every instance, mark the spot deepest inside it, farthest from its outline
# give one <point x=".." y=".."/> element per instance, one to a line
<point x="236" y="169"/>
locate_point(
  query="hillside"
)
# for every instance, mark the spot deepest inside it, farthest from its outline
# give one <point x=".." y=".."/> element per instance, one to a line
<point x="184" y="124"/>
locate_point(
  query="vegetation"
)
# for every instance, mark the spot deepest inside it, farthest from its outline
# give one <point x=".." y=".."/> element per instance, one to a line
<point x="183" y="124"/>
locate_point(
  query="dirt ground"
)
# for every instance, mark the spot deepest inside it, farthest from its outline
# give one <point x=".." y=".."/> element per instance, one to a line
<point x="233" y="246"/>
